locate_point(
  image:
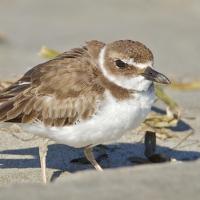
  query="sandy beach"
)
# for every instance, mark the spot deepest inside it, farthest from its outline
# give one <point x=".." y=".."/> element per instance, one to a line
<point x="171" y="29"/>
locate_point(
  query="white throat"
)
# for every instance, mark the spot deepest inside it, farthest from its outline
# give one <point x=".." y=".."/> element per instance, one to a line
<point x="138" y="83"/>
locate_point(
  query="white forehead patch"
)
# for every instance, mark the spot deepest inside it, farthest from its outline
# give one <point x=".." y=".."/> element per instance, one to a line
<point x="139" y="65"/>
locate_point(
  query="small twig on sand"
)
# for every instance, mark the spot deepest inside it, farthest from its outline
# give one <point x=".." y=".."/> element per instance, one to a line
<point x="184" y="139"/>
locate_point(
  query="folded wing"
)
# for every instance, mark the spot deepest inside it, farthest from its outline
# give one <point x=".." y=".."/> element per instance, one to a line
<point x="60" y="92"/>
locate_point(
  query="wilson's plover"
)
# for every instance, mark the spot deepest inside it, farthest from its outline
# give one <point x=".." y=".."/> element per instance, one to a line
<point x="85" y="96"/>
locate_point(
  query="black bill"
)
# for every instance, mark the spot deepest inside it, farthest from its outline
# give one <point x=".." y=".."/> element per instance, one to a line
<point x="152" y="75"/>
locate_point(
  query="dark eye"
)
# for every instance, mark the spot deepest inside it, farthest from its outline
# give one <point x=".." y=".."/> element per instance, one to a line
<point x="120" y="64"/>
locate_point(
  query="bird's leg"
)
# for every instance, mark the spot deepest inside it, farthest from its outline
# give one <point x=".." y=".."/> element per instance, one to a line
<point x="90" y="156"/>
<point x="43" y="148"/>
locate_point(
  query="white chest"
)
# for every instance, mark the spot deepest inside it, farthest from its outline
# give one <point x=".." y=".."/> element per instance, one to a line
<point x="113" y="119"/>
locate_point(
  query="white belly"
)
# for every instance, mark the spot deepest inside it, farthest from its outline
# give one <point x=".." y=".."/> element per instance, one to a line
<point x="113" y="119"/>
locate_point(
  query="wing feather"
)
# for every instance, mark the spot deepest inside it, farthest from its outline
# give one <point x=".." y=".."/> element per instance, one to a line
<point x="59" y="92"/>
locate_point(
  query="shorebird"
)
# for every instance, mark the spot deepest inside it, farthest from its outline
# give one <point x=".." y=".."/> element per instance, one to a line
<point x="85" y="96"/>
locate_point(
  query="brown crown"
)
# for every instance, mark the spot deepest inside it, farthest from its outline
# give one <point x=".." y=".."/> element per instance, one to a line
<point x="131" y="49"/>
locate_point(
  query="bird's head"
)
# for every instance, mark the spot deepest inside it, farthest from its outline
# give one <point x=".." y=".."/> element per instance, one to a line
<point x="129" y="64"/>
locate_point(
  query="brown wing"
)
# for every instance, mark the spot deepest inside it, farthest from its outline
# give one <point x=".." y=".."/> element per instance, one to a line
<point x="59" y="92"/>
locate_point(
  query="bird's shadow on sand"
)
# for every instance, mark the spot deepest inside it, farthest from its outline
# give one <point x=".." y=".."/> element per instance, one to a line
<point x="60" y="156"/>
